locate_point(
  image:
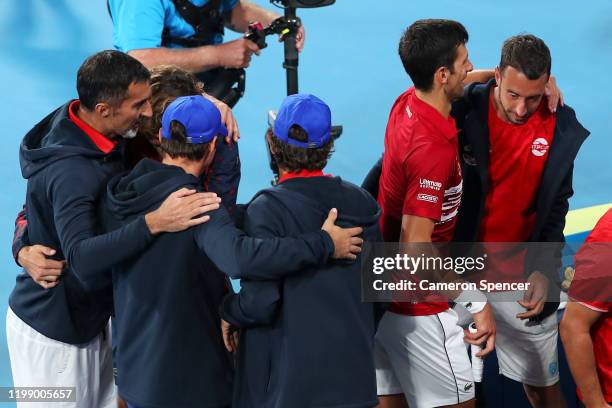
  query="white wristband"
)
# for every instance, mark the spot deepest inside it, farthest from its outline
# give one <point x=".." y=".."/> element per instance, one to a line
<point x="473" y="300"/>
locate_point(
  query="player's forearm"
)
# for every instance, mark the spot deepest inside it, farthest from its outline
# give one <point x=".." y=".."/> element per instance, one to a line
<point x="479" y="75"/>
<point x="246" y="12"/>
<point x="92" y="258"/>
<point x="579" y="351"/>
<point x="196" y="59"/>
<point x="256" y="304"/>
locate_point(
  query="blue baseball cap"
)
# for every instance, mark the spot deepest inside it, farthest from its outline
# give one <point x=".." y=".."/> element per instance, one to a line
<point x="310" y="113"/>
<point x="199" y="116"/>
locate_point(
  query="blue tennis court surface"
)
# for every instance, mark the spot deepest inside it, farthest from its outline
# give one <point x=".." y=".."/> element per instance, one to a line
<point x="350" y="60"/>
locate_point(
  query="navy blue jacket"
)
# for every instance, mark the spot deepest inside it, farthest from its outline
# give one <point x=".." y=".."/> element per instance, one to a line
<point x="169" y="347"/>
<point x="309" y="339"/>
<point x="66" y="174"/>
<point x="554" y="191"/>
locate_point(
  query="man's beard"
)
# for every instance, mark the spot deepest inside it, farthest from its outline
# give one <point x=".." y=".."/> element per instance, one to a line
<point x="508" y="113"/>
<point x="455" y="93"/>
<point x="130" y="133"/>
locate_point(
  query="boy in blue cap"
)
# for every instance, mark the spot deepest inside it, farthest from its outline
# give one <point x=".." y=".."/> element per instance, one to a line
<point x="307" y="339"/>
<point x="169" y="346"/>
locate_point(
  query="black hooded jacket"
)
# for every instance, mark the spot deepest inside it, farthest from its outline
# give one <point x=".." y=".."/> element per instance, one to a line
<point x="66" y="174"/>
<point x="308" y="338"/>
<point x="169" y="347"/>
<point x="554" y="191"/>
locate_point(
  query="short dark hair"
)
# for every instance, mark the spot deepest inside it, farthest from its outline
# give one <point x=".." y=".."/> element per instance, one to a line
<point x="526" y="53"/>
<point x="106" y="77"/>
<point x="293" y="158"/>
<point x="177" y="146"/>
<point x="428" y="45"/>
<point x="168" y="82"/>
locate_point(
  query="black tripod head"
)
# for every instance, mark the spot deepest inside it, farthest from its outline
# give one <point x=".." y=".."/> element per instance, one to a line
<point x="302" y="3"/>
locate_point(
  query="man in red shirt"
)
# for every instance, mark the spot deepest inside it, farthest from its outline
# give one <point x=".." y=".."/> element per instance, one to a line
<point x="420" y="352"/>
<point x="517" y="162"/>
<point x="586" y="328"/>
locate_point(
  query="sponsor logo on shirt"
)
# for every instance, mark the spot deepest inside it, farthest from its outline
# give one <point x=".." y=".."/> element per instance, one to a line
<point x="539" y="147"/>
<point x="452" y="199"/>
<point x="427" y="197"/>
<point x="432" y="185"/>
<point x="408" y="111"/>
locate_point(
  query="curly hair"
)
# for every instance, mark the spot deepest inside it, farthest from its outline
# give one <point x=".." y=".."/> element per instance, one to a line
<point x="292" y="158"/>
<point x="168" y="82"/>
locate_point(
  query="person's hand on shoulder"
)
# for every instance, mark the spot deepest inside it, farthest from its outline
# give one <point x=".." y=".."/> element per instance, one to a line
<point x="553" y="94"/>
<point x="347" y="244"/>
<point x="227" y="117"/>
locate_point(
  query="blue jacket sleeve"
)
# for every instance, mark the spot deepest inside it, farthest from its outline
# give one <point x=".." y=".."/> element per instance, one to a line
<point x="74" y="195"/>
<point x="258" y="302"/>
<point x="255" y="305"/>
<point x="241" y="256"/>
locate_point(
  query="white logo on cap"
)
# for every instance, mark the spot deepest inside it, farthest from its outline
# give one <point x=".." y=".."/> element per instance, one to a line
<point x="539" y="147"/>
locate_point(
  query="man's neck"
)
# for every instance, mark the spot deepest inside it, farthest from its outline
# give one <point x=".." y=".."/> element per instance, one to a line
<point x="195" y="168"/>
<point x="91" y="119"/>
<point x="499" y="109"/>
<point x="282" y="172"/>
<point x="436" y="99"/>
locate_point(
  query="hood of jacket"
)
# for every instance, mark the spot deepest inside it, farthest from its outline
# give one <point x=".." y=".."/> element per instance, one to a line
<point x="145" y="188"/>
<point x="54" y="138"/>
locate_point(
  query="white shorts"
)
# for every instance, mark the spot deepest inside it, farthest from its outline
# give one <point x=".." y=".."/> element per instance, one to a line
<point x="423" y="357"/>
<point x="38" y="361"/>
<point x="526" y="351"/>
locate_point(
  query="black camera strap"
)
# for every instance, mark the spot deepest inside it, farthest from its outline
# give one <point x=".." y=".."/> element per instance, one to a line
<point x="207" y="22"/>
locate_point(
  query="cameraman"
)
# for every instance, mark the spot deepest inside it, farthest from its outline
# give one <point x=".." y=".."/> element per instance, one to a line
<point x="156" y="32"/>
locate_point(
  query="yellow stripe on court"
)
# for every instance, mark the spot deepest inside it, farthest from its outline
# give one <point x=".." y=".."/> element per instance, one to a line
<point x="584" y="219"/>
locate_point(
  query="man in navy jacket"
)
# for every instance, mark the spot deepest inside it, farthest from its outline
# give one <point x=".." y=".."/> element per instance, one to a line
<point x="517" y="162"/>
<point x="169" y="347"/>
<point x="58" y="336"/>
<point x="307" y="338"/>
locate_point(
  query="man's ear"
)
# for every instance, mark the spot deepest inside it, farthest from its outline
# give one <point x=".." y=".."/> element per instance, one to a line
<point x="210" y="154"/>
<point x="441" y="76"/>
<point x="103" y="109"/>
<point x="497" y="76"/>
<point x="212" y="145"/>
<point x="269" y="142"/>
